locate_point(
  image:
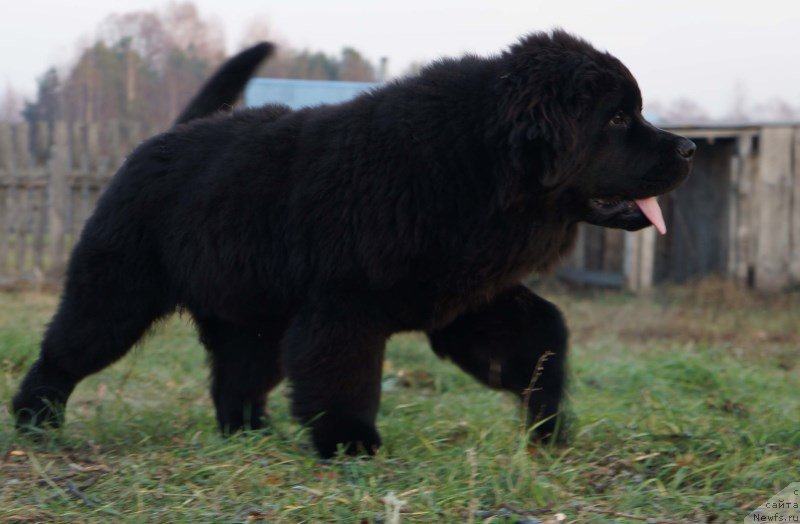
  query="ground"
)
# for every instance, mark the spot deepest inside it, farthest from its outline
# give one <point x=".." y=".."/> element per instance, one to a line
<point x="686" y="409"/>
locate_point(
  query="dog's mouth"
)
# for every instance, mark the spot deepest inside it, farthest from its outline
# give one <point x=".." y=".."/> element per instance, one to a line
<point x="626" y="213"/>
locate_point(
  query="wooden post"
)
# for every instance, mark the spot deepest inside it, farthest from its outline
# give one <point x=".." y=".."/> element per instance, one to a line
<point x="5" y="216"/>
<point x="115" y="142"/>
<point x="21" y="201"/>
<point x="37" y="195"/>
<point x="748" y="210"/>
<point x="23" y="154"/>
<point x="7" y="210"/>
<point x="42" y="143"/>
<point x="794" y="260"/>
<point x="733" y="260"/>
<point x="93" y="145"/>
<point x="81" y="147"/>
<point x="6" y="148"/>
<point x="630" y="262"/>
<point x="22" y="222"/>
<point x="98" y="166"/>
<point x="774" y="193"/>
<point x="613" y="249"/>
<point x="58" y="171"/>
<point x="39" y="208"/>
<point x="577" y="258"/>
<point x="639" y="261"/>
<point x="74" y="136"/>
<point x="740" y="237"/>
<point x="16" y="199"/>
<point x="648" y="257"/>
<point x="80" y="187"/>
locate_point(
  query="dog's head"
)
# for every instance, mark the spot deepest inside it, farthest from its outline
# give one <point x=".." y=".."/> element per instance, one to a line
<point x="573" y="117"/>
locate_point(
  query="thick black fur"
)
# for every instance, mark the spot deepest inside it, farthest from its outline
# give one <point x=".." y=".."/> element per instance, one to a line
<point x="301" y="240"/>
<point x="518" y="343"/>
<point x="95" y="339"/>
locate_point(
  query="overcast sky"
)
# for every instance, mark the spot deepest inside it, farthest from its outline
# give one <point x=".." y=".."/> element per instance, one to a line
<point x="677" y="49"/>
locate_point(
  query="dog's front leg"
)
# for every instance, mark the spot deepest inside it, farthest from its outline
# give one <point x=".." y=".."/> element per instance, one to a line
<point x="333" y="354"/>
<point x="518" y="343"/>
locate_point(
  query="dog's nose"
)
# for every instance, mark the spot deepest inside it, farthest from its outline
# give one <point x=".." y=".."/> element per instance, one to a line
<point x="686" y="148"/>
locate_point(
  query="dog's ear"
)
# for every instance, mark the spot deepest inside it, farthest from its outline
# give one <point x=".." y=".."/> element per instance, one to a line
<point x="543" y="87"/>
<point x="540" y="133"/>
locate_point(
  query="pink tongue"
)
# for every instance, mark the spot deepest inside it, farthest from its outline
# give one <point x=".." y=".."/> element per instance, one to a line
<point x="649" y="207"/>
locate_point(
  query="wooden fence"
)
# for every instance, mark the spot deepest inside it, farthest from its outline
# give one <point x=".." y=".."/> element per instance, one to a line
<point x="50" y="179"/>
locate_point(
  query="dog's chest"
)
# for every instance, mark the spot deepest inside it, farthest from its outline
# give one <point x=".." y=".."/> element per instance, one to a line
<point x="478" y="279"/>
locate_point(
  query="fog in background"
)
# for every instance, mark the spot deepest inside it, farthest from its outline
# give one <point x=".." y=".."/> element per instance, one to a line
<point x="694" y="60"/>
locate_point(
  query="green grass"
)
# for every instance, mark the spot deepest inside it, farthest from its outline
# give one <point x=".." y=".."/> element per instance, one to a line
<point x="686" y="410"/>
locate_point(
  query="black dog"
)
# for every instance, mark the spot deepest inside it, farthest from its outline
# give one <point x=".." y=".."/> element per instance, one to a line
<point x="300" y="240"/>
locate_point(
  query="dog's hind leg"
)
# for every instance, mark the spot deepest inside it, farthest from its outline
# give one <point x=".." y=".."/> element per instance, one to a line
<point x="109" y="300"/>
<point x="245" y="363"/>
<point x="333" y="355"/>
<point x="518" y="343"/>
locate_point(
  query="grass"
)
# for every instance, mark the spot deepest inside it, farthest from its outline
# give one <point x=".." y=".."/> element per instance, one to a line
<point x="686" y="407"/>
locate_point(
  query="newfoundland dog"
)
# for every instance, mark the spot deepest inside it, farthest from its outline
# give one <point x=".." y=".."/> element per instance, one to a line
<point x="301" y="240"/>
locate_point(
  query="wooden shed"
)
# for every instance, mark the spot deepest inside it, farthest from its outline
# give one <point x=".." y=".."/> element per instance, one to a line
<point x="737" y="216"/>
<point x="297" y="93"/>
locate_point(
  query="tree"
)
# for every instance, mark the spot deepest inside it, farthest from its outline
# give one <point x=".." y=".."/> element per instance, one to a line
<point x="257" y="30"/>
<point x="291" y="63"/>
<point x="280" y="64"/>
<point x="775" y="110"/>
<point x="355" y="67"/>
<point x="146" y="65"/>
<point x="684" y="111"/>
<point x="202" y="39"/>
<point x="144" y="32"/>
<point x="47" y="107"/>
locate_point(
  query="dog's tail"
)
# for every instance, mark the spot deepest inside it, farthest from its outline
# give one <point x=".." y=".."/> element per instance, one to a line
<point x="226" y="85"/>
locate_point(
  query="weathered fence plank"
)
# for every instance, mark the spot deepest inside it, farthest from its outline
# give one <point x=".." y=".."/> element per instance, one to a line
<point x="58" y="196"/>
<point x="22" y="229"/>
<point x="115" y="141"/>
<point x="23" y="149"/>
<point x="5" y="221"/>
<point x="41" y="147"/>
<point x="774" y="195"/>
<point x="794" y="268"/>
<point x="93" y="145"/>
<point x="39" y="209"/>
<point x="51" y="176"/>
<point x="6" y="149"/>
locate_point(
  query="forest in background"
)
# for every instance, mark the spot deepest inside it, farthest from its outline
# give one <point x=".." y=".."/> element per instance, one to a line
<point x="143" y="66"/>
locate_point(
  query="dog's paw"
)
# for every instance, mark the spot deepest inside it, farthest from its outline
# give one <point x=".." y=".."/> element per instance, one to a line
<point x="231" y="422"/>
<point x="355" y="437"/>
<point x="41" y="398"/>
<point x="33" y="412"/>
<point x="554" y="430"/>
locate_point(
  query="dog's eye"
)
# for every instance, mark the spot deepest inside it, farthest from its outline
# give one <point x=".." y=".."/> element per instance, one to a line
<point x="619" y="120"/>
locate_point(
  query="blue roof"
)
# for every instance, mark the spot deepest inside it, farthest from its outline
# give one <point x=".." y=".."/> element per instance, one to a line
<point x="301" y="93"/>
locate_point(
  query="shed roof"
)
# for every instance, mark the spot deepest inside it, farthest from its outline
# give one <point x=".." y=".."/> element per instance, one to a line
<point x="301" y="93"/>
